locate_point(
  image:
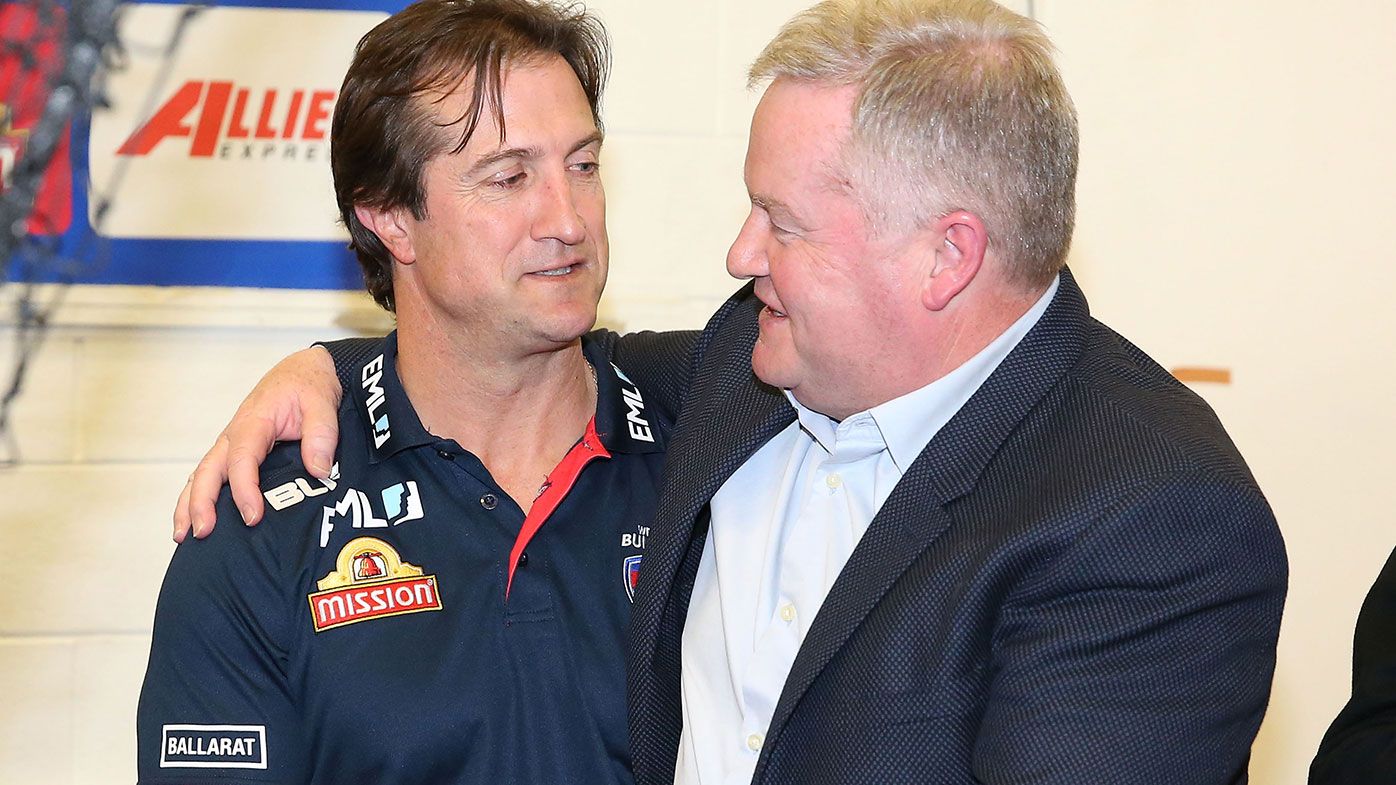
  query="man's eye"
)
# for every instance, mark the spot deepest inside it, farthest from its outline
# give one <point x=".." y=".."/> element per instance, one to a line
<point x="510" y="181"/>
<point x="587" y="167"/>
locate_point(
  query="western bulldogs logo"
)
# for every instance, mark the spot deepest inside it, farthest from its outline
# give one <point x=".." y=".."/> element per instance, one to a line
<point x="631" y="574"/>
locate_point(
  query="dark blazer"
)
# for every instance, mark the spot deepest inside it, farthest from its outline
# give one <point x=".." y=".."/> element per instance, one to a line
<point x="1077" y="581"/>
<point x="1360" y="747"/>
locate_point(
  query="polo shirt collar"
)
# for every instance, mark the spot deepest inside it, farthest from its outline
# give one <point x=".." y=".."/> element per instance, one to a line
<point x="624" y="420"/>
<point x="391" y="425"/>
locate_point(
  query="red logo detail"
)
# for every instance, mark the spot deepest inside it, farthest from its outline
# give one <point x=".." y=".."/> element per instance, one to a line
<point x="23" y="82"/>
<point x="338" y="607"/>
<point x="368" y="565"/>
<point x="632" y="575"/>
<point x="209" y="113"/>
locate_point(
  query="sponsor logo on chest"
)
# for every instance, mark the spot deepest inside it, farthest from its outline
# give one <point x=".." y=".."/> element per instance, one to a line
<point x="401" y="502"/>
<point x="370" y="581"/>
<point x="631" y="574"/>
<point x="630" y="565"/>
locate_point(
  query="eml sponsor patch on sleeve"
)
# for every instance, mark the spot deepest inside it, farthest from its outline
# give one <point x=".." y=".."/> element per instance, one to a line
<point x="213" y="747"/>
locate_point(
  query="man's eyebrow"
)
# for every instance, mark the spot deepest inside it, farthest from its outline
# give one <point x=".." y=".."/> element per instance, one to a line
<point x="593" y="138"/>
<point x="490" y="159"/>
<point x="775" y="206"/>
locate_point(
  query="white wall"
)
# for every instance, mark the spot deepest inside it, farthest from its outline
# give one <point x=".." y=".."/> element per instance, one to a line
<point x="1236" y="171"/>
<point x="1235" y="159"/>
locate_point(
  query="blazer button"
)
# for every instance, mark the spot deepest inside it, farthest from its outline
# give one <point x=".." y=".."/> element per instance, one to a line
<point x="489" y="501"/>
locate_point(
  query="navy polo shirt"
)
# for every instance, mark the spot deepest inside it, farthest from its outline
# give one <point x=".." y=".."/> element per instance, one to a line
<point x="362" y="632"/>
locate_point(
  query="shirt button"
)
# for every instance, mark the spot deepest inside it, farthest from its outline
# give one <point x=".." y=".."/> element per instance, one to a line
<point x="787" y="612"/>
<point x="754" y="742"/>
<point x="489" y="501"/>
<point x="446" y="455"/>
<point x="833" y="481"/>
<point x="523" y="559"/>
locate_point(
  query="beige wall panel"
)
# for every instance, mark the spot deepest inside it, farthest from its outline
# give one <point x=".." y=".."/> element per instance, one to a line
<point x="747" y="27"/>
<point x="681" y="96"/>
<point x="673" y="218"/>
<point x="91" y="541"/>
<point x="36" y="727"/>
<point x="108" y="677"/>
<point x="659" y="314"/>
<point x="163" y="395"/>
<point x="43" y="417"/>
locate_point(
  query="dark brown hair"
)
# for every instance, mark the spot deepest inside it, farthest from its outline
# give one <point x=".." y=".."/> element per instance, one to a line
<point x="382" y="135"/>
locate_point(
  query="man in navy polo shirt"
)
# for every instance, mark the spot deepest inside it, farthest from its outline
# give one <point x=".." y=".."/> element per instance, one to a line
<point x="450" y="605"/>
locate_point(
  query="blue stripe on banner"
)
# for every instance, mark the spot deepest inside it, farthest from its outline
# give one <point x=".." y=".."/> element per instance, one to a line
<point x="255" y="263"/>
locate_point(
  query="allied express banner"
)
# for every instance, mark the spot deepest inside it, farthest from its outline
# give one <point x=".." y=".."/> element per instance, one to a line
<point x="211" y="165"/>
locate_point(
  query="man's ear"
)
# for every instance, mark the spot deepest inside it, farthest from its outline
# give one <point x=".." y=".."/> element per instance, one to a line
<point x="391" y="228"/>
<point x="961" y="242"/>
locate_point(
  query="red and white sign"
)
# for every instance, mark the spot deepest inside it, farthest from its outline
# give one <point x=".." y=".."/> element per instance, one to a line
<point x="233" y="143"/>
<point x="338" y="607"/>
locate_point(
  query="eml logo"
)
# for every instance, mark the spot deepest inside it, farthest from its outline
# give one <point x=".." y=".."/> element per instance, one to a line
<point x="371" y="376"/>
<point x="635" y="406"/>
<point x="221" y="118"/>
<point x="401" y="503"/>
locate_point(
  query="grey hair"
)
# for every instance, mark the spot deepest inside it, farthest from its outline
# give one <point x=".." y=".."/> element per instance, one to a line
<point x="960" y="107"/>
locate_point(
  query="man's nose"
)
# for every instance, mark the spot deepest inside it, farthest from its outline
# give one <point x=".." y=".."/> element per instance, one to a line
<point x="747" y="256"/>
<point x="558" y="217"/>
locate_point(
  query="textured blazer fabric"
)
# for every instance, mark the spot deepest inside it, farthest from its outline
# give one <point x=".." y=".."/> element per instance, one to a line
<point x="1078" y="581"/>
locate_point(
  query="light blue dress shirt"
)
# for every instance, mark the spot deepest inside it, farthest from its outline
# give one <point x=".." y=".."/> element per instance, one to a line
<point x="783" y="526"/>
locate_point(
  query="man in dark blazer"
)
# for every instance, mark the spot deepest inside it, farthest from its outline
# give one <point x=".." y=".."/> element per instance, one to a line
<point x="1075" y="581"/>
<point x="1072" y="579"/>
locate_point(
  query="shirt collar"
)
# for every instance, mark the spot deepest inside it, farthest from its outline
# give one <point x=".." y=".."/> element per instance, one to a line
<point x="909" y="422"/>
<point x="389" y="421"/>
<point x="392" y="425"/>
<point x="623" y="419"/>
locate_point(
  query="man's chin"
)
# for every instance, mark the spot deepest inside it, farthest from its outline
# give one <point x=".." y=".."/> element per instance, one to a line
<point x="567" y="328"/>
<point x="769" y="368"/>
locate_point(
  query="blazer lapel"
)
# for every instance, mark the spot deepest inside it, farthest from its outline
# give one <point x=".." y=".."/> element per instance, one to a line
<point x="698" y="469"/>
<point x="727" y="417"/>
<point x="914" y="515"/>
